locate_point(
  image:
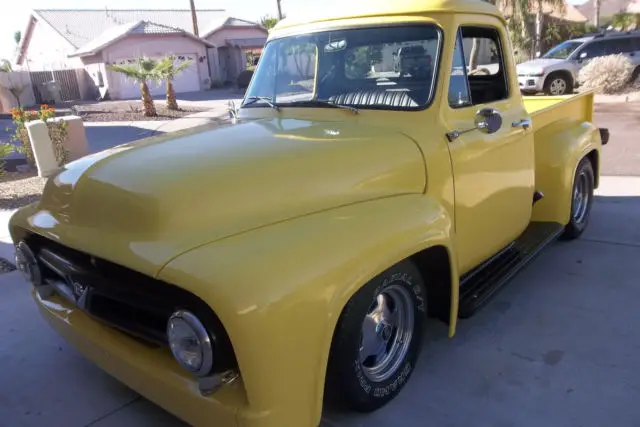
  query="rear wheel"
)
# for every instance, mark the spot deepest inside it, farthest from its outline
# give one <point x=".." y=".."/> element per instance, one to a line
<point x="581" y="200"/>
<point x="635" y="74"/>
<point x="377" y="340"/>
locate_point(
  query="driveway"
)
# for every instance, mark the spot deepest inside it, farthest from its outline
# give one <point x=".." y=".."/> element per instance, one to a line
<point x="558" y="347"/>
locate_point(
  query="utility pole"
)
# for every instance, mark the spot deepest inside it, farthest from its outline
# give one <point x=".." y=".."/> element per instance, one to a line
<point x="194" y="18"/>
<point x="596" y="14"/>
<point x="279" y="10"/>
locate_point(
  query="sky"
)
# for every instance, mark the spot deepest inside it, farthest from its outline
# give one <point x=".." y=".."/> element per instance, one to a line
<point x="14" y="18"/>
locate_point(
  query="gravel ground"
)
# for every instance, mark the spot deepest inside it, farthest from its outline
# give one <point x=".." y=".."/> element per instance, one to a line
<point x="6" y="266"/>
<point x="19" y="189"/>
<point x="127" y="111"/>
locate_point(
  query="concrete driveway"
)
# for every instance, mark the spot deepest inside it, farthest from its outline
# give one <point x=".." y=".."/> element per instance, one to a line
<point x="558" y="347"/>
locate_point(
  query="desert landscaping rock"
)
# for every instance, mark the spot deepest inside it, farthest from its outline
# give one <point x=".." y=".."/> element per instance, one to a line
<point x="6" y="266"/>
<point x="128" y="111"/>
<point x="20" y="189"/>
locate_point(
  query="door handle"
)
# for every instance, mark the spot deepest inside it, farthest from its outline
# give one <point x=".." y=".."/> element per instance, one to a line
<point x="524" y="123"/>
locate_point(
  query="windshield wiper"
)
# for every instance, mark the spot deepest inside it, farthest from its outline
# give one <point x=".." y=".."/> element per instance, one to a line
<point x="267" y="100"/>
<point x="320" y="103"/>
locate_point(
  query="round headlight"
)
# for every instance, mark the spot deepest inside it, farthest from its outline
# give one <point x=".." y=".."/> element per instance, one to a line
<point x="27" y="263"/>
<point x="190" y="342"/>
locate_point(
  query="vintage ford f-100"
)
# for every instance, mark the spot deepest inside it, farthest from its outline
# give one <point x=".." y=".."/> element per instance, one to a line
<point x="382" y="170"/>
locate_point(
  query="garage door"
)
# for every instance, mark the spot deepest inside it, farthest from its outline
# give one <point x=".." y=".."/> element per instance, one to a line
<point x="186" y="81"/>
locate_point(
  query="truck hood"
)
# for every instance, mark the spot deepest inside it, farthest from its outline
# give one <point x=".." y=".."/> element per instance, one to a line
<point x="536" y="66"/>
<point x="141" y="204"/>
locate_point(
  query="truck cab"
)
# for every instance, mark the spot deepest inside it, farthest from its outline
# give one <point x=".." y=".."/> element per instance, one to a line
<point x="292" y="258"/>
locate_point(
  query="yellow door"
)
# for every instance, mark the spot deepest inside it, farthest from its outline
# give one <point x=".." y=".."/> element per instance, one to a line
<point x="493" y="172"/>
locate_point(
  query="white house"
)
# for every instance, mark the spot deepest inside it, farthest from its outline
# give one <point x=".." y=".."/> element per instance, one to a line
<point x="92" y="39"/>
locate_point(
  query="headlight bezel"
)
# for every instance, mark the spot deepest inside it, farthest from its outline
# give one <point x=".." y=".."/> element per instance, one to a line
<point x="204" y="337"/>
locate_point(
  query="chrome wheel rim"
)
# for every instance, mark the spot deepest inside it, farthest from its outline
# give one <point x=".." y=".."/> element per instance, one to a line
<point x="387" y="330"/>
<point x="581" y="196"/>
<point x="558" y="87"/>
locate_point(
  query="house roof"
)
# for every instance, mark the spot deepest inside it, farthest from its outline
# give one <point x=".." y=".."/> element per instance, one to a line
<point x="229" y="22"/>
<point x="80" y="26"/>
<point x="119" y="32"/>
<point x="247" y="42"/>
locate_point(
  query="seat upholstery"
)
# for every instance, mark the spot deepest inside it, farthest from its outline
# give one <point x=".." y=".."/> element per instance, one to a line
<point x="398" y="99"/>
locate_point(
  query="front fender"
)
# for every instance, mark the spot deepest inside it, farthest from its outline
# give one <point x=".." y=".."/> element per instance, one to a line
<point x="279" y="291"/>
<point x="559" y="147"/>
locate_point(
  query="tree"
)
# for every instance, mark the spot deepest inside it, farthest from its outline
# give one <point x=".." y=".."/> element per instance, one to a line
<point x="146" y="69"/>
<point x="167" y="70"/>
<point x="596" y="13"/>
<point x="194" y="17"/>
<point x="280" y="15"/>
<point x="557" y="5"/>
<point x="269" y="22"/>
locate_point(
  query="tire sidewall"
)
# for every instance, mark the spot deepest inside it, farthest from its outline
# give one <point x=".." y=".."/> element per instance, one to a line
<point x="584" y="166"/>
<point x="362" y="393"/>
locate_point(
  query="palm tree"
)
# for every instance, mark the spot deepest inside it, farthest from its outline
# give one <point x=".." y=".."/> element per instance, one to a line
<point x="168" y="71"/>
<point x="557" y="5"/>
<point x="146" y="69"/>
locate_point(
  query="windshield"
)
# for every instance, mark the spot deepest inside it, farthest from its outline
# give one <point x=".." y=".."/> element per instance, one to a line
<point x="389" y="68"/>
<point x="563" y="50"/>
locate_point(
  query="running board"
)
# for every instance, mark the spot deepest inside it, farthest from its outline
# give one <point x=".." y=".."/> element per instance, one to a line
<point x="478" y="286"/>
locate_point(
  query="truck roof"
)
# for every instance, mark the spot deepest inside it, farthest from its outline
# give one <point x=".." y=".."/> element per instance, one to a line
<point x="371" y="8"/>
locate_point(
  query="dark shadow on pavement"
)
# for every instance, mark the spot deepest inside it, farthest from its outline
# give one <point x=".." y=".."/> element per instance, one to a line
<point x="103" y="137"/>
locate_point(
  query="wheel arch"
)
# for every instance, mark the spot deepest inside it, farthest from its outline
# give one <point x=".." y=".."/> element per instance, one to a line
<point x="559" y="148"/>
<point x="594" y="158"/>
<point x="303" y="272"/>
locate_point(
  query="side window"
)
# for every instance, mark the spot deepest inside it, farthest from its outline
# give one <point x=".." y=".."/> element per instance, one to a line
<point x="592" y="50"/>
<point x="622" y="45"/>
<point x="459" y="94"/>
<point x="484" y="78"/>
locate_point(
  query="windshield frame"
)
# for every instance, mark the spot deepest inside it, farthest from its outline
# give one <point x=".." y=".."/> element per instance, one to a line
<point x="432" y="88"/>
<point x="570" y="55"/>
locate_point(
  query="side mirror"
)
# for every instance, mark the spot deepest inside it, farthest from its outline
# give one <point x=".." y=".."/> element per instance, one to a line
<point x="488" y="120"/>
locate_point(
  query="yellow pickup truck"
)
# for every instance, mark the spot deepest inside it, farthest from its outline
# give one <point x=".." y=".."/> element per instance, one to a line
<point x="245" y="275"/>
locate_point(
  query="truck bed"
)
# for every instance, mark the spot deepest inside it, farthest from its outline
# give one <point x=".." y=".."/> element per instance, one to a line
<point x="545" y="110"/>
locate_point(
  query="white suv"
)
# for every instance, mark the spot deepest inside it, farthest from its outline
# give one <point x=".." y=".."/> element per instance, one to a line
<point x="556" y="72"/>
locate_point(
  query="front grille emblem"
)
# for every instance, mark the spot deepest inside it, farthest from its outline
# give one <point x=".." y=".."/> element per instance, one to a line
<point x="78" y="288"/>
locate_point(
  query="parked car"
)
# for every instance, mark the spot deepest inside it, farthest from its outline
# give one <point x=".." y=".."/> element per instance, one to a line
<point x="298" y="254"/>
<point x="556" y="72"/>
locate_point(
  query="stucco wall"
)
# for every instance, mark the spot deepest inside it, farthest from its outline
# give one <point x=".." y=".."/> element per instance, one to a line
<point x="153" y="46"/>
<point x="48" y="50"/>
<point x="219" y="37"/>
<point x="15" y="79"/>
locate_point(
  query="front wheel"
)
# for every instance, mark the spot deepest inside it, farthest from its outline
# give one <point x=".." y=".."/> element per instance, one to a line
<point x="581" y="200"/>
<point x="378" y="339"/>
<point x="557" y="84"/>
